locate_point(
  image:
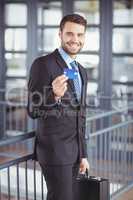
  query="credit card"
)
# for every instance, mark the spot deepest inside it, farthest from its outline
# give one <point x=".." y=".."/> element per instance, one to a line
<point x="70" y="73"/>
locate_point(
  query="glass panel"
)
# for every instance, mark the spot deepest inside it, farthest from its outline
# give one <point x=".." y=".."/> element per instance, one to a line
<point x="125" y="94"/>
<point x="15" y="14"/>
<point x="15" y="39"/>
<point x="91" y="40"/>
<point x="49" y="9"/>
<point x="123" y="40"/>
<point x="48" y="39"/>
<point x="16" y="97"/>
<point x="16" y="64"/>
<point x="91" y="63"/>
<point x="92" y="100"/>
<point x="16" y="90"/>
<point x="92" y="88"/>
<point x="123" y="69"/>
<point x="89" y="9"/>
<point x="123" y="12"/>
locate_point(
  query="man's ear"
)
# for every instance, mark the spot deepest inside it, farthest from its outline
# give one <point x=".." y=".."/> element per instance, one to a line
<point x="59" y="33"/>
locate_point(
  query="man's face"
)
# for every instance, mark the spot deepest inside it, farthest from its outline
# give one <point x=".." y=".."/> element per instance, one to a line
<point x="72" y="38"/>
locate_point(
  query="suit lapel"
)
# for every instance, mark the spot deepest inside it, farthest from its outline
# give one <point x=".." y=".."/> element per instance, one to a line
<point x="83" y="79"/>
<point x="81" y="71"/>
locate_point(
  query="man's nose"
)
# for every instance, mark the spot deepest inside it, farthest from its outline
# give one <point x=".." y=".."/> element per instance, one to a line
<point x="75" y="38"/>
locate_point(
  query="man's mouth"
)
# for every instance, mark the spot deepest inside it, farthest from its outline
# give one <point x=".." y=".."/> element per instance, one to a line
<point x="73" y="44"/>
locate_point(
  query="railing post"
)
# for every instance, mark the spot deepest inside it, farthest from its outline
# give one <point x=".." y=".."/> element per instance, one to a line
<point x="32" y="46"/>
<point x="105" y="65"/>
<point x="2" y="73"/>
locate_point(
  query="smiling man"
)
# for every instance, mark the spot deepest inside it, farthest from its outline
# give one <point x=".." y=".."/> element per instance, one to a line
<point x="72" y="37"/>
<point x="57" y="94"/>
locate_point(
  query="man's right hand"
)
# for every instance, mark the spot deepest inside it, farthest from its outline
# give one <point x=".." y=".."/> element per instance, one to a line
<point x="59" y="85"/>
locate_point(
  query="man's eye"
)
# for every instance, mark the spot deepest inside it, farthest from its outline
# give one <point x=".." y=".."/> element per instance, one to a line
<point x="69" y="34"/>
<point x="80" y="35"/>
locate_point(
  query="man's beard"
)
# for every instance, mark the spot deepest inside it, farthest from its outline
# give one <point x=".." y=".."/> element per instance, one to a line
<point x="67" y="50"/>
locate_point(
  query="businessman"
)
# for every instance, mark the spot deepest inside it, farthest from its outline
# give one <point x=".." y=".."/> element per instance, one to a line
<point x="56" y="97"/>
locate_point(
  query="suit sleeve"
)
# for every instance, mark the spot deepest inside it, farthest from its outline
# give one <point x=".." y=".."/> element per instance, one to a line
<point x="83" y="113"/>
<point x="40" y="94"/>
<point x="83" y="140"/>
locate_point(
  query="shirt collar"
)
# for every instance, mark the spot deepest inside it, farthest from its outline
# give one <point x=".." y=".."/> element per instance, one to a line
<point x="65" y="56"/>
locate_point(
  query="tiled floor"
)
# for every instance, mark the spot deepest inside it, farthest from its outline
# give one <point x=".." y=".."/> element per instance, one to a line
<point x="13" y="151"/>
<point x="127" y="195"/>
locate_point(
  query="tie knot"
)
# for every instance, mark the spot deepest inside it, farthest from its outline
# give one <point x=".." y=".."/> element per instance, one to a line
<point x="74" y="65"/>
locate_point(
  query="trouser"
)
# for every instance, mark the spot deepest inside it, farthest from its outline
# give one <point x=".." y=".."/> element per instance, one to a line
<point x="60" y="181"/>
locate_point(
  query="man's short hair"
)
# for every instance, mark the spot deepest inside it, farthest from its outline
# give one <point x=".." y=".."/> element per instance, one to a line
<point x="75" y="18"/>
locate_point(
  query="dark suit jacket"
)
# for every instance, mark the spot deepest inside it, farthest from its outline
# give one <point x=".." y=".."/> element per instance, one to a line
<point x="61" y="126"/>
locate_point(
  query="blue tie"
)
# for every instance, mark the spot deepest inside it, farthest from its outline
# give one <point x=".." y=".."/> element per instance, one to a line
<point x="76" y="80"/>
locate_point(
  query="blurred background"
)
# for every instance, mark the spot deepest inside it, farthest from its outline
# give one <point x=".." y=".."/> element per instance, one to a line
<point x="29" y="28"/>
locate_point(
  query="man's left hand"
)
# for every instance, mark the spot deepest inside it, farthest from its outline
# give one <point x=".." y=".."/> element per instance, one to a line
<point x="84" y="164"/>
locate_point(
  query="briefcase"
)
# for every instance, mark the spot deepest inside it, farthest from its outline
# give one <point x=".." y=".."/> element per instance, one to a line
<point x="91" y="188"/>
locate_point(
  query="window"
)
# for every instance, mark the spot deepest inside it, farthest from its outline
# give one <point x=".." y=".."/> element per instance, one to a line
<point x="48" y="39"/>
<point x="16" y="67"/>
<point x="16" y="39"/>
<point x="49" y="13"/>
<point x="123" y="40"/>
<point x="15" y="64"/>
<point x="89" y="9"/>
<point x="13" y="16"/>
<point x="89" y="56"/>
<point x="49" y="17"/>
<point x="123" y="48"/>
<point x="123" y="12"/>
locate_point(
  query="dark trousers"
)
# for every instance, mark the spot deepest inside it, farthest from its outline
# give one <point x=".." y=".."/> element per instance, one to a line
<point x="60" y="181"/>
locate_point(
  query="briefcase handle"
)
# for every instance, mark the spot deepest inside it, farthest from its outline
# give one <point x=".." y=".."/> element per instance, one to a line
<point x="87" y="176"/>
<point x="84" y="175"/>
<point x="87" y="173"/>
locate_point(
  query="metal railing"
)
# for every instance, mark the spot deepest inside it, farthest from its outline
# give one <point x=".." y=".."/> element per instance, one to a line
<point x="16" y="119"/>
<point x="21" y="177"/>
<point x="110" y="147"/>
<point x="110" y="153"/>
<point x="13" y="111"/>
